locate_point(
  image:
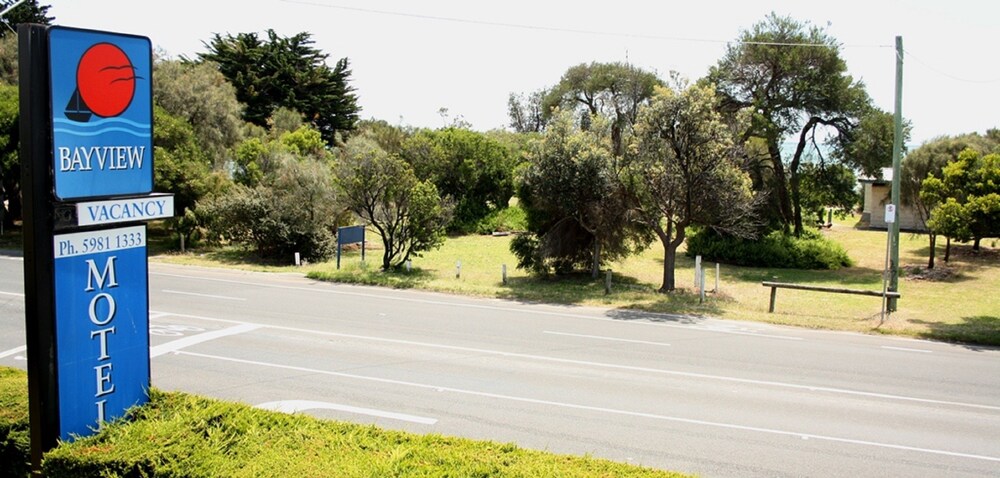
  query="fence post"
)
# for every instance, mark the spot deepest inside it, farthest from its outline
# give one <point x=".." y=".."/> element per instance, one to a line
<point x="701" y="299"/>
<point x="607" y="282"/>
<point x="458" y="269"/>
<point x="503" y="273"/>
<point x="697" y="270"/>
<point x="717" y="277"/>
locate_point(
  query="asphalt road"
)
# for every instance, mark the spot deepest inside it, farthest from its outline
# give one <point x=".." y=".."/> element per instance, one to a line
<point x="705" y="396"/>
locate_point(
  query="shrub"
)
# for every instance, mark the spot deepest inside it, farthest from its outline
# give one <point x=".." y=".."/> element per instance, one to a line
<point x="294" y="210"/>
<point x="15" y="444"/>
<point x="510" y="219"/>
<point x="777" y="249"/>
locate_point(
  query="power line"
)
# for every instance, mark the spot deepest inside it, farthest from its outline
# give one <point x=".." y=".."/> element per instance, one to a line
<point x="561" y="29"/>
<point x="949" y="75"/>
<point x="642" y="36"/>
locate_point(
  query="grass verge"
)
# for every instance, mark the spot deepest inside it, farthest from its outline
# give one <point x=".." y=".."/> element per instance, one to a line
<point x="954" y="304"/>
<point x="177" y="434"/>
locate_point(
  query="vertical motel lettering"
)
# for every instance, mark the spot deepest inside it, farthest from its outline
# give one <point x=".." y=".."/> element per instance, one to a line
<point x="102" y="313"/>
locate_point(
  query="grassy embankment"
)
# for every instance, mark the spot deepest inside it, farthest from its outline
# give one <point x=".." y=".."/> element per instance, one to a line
<point x="177" y="434"/>
<point x="958" y="306"/>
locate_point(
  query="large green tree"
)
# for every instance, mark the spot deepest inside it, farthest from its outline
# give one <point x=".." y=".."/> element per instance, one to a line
<point x="612" y="90"/>
<point x="526" y="112"/>
<point x="929" y="160"/>
<point x="575" y="203"/>
<point x="28" y="12"/>
<point x="792" y="76"/>
<point x="382" y="190"/>
<point x="286" y="72"/>
<point x="475" y="170"/>
<point x="968" y="197"/>
<point x="683" y="171"/>
<point x="203" y="97"/>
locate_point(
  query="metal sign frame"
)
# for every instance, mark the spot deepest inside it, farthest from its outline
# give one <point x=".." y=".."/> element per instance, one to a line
<point x="84" y="367"/>
<point x="350" y="235"/>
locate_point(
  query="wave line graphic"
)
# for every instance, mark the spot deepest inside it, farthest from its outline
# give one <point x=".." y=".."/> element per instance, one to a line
<point x="103" y="122"/>
<point x="138" y="134"/>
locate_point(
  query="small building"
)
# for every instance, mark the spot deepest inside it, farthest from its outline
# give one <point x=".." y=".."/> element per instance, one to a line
<point x="877" y="193"/>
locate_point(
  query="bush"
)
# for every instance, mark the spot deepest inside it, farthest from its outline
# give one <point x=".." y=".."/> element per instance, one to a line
<point x="15" y="441"/>
<point x="510" y="219"/>
<point x="294" y="210"/>
<point x="777" y="249"/>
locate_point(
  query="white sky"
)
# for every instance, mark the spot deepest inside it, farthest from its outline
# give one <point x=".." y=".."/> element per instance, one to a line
<point x="407" y="66"/>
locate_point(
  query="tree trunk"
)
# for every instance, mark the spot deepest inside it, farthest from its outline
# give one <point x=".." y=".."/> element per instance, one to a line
<point x="670" y="253"/>
<point x="793" y="175"/>
<point x="947" y="249"/>
<point x="780" y="184"/>
<point x="595" y="268"/>
<point x="975" y="244"/>
<point x="793" y="181"/>
<point x="933" y="242"/>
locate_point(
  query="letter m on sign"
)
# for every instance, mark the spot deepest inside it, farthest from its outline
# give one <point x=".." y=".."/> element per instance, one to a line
<point x="107" y="275"/>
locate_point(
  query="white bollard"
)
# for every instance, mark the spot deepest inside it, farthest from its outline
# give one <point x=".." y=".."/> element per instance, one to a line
<point x="409" y="265"/>
<point x="503" y="273"/>
<point x="716" y="277"/>
<point x="458" y="269"/>
<point x="298" y="259"/>
<point x="697" y="271"/>
<point x="702" y="292"/>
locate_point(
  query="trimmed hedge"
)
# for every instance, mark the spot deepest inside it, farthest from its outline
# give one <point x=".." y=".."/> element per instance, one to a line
<point x="15" y="442"/>
<point x="181" y="435"/>
<point x="777" y="249"/>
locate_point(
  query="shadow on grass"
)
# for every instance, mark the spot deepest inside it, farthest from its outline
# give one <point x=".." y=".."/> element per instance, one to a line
<point x="981" y="332"/>
<point x="849" y="276"/>
<point x="569" y="289"/>
<point x="644" y="301"/>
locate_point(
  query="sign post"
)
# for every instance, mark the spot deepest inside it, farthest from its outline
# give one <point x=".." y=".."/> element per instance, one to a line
<point x="890" y="220"/>
<point x="87" y="163"/>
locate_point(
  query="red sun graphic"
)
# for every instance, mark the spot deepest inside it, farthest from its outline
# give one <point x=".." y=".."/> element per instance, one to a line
<point x="106" y="80"/>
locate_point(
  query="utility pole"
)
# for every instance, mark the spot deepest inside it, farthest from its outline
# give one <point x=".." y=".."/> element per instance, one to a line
<point x="897" y="151"/>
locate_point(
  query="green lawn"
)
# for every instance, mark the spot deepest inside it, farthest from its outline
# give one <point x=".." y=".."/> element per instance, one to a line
<point x="959" y="307"/>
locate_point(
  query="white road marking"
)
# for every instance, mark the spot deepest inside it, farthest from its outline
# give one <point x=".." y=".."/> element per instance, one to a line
<point x="723" y="378"/>
<point x="293" y="406"/>
<point x="612" y="339"/>
<point x="614" y="411"/>
<point x="13" y="351"/>
<point x="209" y="296"/>
<point x="15" y="294"/>
<point x="705" y="328"/>
<point x="904" y="349"/>
<point x="178" y="344"/>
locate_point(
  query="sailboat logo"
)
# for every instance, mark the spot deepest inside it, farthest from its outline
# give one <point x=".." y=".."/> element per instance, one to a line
<point x="105" y="84"/>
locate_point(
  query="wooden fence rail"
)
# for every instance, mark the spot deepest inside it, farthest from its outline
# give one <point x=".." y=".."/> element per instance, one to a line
<point x="836" y="290"/>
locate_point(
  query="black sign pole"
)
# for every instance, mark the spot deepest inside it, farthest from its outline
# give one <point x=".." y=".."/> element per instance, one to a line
<point x="39" y="257"/>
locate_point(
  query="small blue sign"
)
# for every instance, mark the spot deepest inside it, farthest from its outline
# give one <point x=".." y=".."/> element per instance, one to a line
<point x="350" y="234"/>
<point x="102" y="113"/>
<point x="102" y="326"/>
